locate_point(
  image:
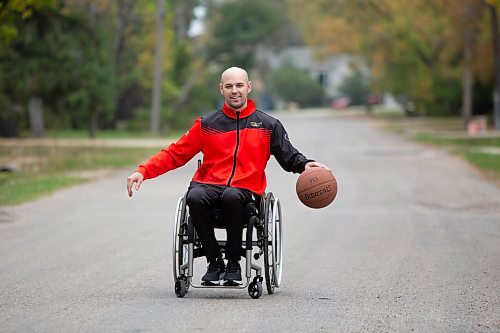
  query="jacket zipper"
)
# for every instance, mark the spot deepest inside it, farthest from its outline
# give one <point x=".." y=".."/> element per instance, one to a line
<point x="236" y="149"/>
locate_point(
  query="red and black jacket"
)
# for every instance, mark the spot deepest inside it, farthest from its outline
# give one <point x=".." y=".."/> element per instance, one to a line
<point x="236" y="147"/>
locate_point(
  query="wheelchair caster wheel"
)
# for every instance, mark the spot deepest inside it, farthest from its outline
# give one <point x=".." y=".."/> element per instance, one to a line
<point x="180" y="288"/>
<point x="255" y="289"/>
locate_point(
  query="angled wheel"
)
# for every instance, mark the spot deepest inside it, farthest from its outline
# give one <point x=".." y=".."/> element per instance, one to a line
<point x="181" y="287"/>
<point x="273" y="243"/>
<point x="180" y="246"/>
<point x="255" y="289"/>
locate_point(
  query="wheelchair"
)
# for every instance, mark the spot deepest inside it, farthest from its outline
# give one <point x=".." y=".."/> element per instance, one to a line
<point x="264" y="221"/>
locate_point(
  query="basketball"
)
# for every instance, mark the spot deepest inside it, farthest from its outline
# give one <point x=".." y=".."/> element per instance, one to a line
<point x="316" y="187"/>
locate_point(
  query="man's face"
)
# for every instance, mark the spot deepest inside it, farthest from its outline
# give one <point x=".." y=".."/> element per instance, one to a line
<point x="235" y="88"/>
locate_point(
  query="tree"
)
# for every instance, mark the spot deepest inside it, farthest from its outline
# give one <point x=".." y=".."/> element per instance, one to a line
<point x="493" y="5"/>
<point x="13" y="11"/>
<point x="25" y="19"/>
<point x="416" y="50"/>
<point x="356" y="88"/>
<point x="294" y="85"/>
<point x="31" y="63"/>
<point x="158" y="70"/>
<point x="238" y="27"/>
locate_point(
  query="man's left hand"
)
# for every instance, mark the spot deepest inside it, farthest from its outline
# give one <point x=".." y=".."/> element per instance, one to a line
<point x="317" y="165"/>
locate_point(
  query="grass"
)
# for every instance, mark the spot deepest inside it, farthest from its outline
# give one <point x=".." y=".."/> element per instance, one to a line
<point x="42" y="169"/>
<point x="470" y="142"/>
<point x="23" y="186"/>
<point x="448" y="132"/>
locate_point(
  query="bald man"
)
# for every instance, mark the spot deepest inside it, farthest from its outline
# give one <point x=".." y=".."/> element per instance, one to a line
<point x="236" y="143"/>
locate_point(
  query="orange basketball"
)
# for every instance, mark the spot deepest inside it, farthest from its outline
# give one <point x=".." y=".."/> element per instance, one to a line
<point x="316" y="187"/>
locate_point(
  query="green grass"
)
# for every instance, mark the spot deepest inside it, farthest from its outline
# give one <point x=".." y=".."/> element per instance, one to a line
<point x="461" y="142"/>
<point x="470" y="148"/>
<point x="110" y="134"/>
<point x="21" y="187"/>
<point x="448" y="133"/>
<point x="484" y="161"/>
<point x="45" y="169"/>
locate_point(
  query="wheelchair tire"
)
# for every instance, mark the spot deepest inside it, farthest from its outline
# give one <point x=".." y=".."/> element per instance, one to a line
<point x="273" y="243"/>
<point x="255" y="289"/>
<point x="180" y="247"/>
<point x="181" y="287"/>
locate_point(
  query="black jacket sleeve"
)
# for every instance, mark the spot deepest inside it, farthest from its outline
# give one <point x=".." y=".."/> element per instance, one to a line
<point x="286" y="154"/>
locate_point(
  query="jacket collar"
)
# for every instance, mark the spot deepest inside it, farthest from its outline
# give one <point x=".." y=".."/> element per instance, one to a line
<point x="231" y="113"/>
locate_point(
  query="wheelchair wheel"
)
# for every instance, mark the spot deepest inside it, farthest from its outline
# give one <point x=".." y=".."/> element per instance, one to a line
<point x="273" y="243"/>
<point x="180" y="246"/>
<point x="181" y="287"/>
<point x="255" y="289"/>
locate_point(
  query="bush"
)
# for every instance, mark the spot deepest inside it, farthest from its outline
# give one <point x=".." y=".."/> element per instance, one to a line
<point x="294" y="85"/>
<point x="356" y="88"/>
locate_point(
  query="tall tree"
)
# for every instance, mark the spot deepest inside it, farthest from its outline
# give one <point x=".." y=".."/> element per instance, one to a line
<point x="25" y="30"/>
<point x="493" y="5"/>
<point x="158" y="69"/>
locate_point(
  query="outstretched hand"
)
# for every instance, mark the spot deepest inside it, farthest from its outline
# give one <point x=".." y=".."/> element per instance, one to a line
<point x="310" y="165"/>
<point x="137" y="178"/>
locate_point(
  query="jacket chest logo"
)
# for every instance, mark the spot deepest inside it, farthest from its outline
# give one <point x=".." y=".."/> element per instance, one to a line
<point x="256" y="124"/>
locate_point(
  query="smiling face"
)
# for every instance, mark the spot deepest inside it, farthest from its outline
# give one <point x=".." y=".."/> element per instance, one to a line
<point x="235" y="87"/>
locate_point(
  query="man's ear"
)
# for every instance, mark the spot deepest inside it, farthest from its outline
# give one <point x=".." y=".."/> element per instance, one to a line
<point x="249" y="86"/>
<point x="220" y="89"/>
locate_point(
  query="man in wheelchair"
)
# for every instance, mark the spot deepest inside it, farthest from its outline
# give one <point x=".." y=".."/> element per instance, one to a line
<point x="236" y="143"/>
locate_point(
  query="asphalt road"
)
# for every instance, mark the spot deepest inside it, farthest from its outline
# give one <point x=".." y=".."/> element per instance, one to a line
<point x="412" y="243"/>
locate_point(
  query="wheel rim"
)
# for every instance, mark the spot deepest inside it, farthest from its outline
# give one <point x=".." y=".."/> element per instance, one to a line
<point x="268" y="244"/>
<point x="277" y="243"/>
<point x="175" y="240"/>
<point x="180" y="251"/>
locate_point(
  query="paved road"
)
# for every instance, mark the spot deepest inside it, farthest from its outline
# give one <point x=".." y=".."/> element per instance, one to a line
<point x="412" y="243"/>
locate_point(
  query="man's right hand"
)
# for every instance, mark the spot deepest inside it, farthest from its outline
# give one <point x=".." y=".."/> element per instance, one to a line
<point x="137" y="178"/>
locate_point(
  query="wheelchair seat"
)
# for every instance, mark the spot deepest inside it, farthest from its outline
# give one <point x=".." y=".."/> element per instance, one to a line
<point x="251" y="209"/>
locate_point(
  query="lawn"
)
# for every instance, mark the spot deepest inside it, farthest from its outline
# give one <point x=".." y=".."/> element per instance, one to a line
<point x="481" y="151"/>
<point x="43" y="169"/>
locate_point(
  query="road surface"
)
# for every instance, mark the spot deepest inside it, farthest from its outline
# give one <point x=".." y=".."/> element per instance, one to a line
<point x="411" y="243"/>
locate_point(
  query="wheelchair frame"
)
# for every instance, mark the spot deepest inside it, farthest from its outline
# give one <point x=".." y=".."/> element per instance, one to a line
<point x="267" y="221"/>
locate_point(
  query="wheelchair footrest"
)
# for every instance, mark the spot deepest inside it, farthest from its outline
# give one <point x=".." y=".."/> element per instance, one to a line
<point x="230" y="283"/>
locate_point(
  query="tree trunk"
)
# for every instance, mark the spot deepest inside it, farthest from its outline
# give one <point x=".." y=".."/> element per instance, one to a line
<point x="180" y="24"/>
<point x="496" y="59"/>
<point x="93" y="124"/>
<point x="469" y="39"/>
<point x="35" y="109"/>
<point x="156" y="98"/>
<point x="467" y="95"/>
<point x="125" y="10"/>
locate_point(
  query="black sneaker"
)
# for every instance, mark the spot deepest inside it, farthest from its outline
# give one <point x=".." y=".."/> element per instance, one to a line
<point x="215" y="270"/>
<point x="233" y="271"/>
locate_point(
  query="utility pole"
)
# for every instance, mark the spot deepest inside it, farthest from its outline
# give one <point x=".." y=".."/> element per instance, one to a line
<point x="157" y="74"/>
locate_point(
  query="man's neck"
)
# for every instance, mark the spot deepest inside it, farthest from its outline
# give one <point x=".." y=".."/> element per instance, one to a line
<point x="244" y="111"/>
<point x="238" y="109"/>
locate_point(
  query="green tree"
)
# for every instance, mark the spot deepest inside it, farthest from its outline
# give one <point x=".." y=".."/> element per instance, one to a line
<point x="238" y="28"/>
<point x="14" y="10"/>
<point x="356" y="87"/>
<point x="416" y="50"/>
<point x="294" y="85"/>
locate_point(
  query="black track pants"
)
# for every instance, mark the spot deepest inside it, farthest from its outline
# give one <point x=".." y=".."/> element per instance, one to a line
<point x="202" y="199"/>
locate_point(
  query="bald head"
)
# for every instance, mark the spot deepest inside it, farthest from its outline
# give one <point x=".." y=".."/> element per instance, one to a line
<point x="234" y="73"/>
<point x="235" y="87"/>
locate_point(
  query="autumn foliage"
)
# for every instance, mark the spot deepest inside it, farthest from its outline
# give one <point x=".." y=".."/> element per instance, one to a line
<point x="415" y="49"/>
